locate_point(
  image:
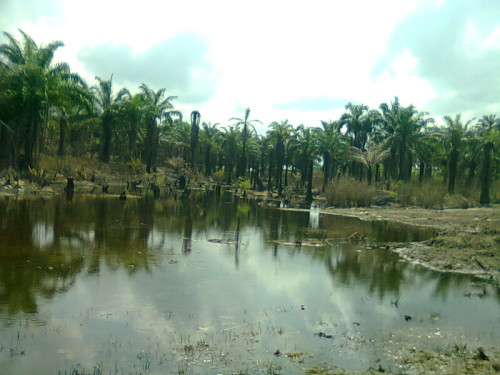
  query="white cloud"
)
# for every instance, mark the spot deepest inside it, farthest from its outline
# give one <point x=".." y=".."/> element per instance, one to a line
<point x="262" y="54"/>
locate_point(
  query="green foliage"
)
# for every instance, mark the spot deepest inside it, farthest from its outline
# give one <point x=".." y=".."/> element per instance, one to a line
<point x="134" y="165"/>
<point x="348" y="192"/>
<point x="244" y="184"/>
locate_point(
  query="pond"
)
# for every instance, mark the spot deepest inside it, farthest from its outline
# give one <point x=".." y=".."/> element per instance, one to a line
<point x="218" y="285"/>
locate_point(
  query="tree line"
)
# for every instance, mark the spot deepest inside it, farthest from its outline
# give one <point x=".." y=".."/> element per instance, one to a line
<point x="46" y="108"/>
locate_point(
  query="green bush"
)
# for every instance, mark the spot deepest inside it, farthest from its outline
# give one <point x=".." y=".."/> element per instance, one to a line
<point x="348" y="192"/>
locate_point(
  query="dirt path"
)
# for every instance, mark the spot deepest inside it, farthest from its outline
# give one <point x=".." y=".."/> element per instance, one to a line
<point x="466" y="241"/>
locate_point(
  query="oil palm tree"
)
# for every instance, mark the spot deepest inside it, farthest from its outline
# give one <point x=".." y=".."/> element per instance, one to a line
<point x="107" y="105"/>
<point x="305" y="148"/>
<point x="230" y="147"/>
<point x="211" y="138"/>
<point x="155" y="107"/>
<point x="279" y="135"/>
<point x="489" y="134"/>
<point x="247" y="129"/>
<point x="455" y="135"/>
<point x="359" y="121"/>
<point x="31" y="85"/>
<point x="195" y="132"/>
<point x="402" y="127"/>
<point x="332" y="146"/>
<point x="370" y="157"/>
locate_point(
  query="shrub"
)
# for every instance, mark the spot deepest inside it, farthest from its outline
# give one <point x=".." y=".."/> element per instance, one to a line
<point x="348" y="192"/>
<point x="428" y="195"/>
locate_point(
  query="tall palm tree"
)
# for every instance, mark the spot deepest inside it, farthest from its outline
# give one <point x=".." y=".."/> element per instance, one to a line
<point x="455" y="134"/>
<point x="359" y="121"/>
<point x="305" y="144"/>
<point x="247" y="129"/>
<point x="73" y="103"/>
<point x="489" y="134"/>
<point x="332" y="146"/>
<point x="230" y="146"/>
<point x="279" y="134"/>
<point x="155" y="107"/>
<point x="195" y="132"/>
<point x="402" y="127"/>
<point x="31" y="84"/>
<point x="131" y="116"/>
<point x="210" y="137"/>
<point x="107" y="105"/>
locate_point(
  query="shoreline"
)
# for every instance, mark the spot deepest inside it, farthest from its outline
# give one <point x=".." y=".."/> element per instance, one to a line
<point x="467" y="241"/>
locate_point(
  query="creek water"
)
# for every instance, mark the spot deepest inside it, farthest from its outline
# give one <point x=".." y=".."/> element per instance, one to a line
<point x="218" y="285"/>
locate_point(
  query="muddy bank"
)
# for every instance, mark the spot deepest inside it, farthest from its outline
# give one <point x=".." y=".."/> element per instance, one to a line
<point x="466" y="240"/>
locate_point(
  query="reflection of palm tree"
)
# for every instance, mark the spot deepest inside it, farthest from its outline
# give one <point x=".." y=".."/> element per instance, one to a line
<point x="188" y="230"/>
<point x="46" y="273"/>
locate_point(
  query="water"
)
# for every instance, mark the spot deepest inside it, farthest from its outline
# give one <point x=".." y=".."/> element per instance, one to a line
<point x="217" y="285"/>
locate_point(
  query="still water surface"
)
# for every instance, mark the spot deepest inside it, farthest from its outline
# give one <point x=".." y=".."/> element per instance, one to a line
<point x="217" y="285"/>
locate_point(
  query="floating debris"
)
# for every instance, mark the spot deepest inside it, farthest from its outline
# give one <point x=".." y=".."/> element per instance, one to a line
<point x="224" y="241"/>
<point x="324" y="335"/>
<point x="305" y="243"/>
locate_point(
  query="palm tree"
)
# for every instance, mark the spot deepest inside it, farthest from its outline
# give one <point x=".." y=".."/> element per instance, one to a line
<point x="211" y="140"/>
<point x="30" y="85"/>
<point x="195" y="132"/>
<point x="279" y="134"/>
<point x="455" y="135"/>
<point x="230" y="149"/>
<point x="131" y="116"/>
<point x="75" y="102"/>
<point x="155" y="107"/>
<point x="247" y="129"/>
<point x="107" y="106"/>
<point x="489" y="133"/>
<point x="305" y="144"/>
<point x="359" y="121"/>
<point x="373" y="155"/>
<point x="402" y="127"/>
<point x="332" y="147"/>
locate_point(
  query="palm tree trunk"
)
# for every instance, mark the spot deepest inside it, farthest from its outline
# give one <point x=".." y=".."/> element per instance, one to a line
<point x="452" y="171"/>
<point x="486" y="174"/>
<point x="63" y="126"/>
<point x="309" y="196"/>
<point x="106" y="140"/>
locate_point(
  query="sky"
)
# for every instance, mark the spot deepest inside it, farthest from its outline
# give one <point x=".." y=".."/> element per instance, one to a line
<point x="295" y="60"/>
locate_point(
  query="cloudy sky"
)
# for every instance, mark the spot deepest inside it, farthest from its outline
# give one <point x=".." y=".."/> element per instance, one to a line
<point x="301" y="61"/>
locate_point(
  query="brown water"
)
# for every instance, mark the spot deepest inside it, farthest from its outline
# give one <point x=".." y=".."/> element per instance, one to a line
<point x="101" y="286"/>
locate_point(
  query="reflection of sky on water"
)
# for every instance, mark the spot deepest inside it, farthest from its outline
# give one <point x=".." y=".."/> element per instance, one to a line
<point x="226" y="294"/>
